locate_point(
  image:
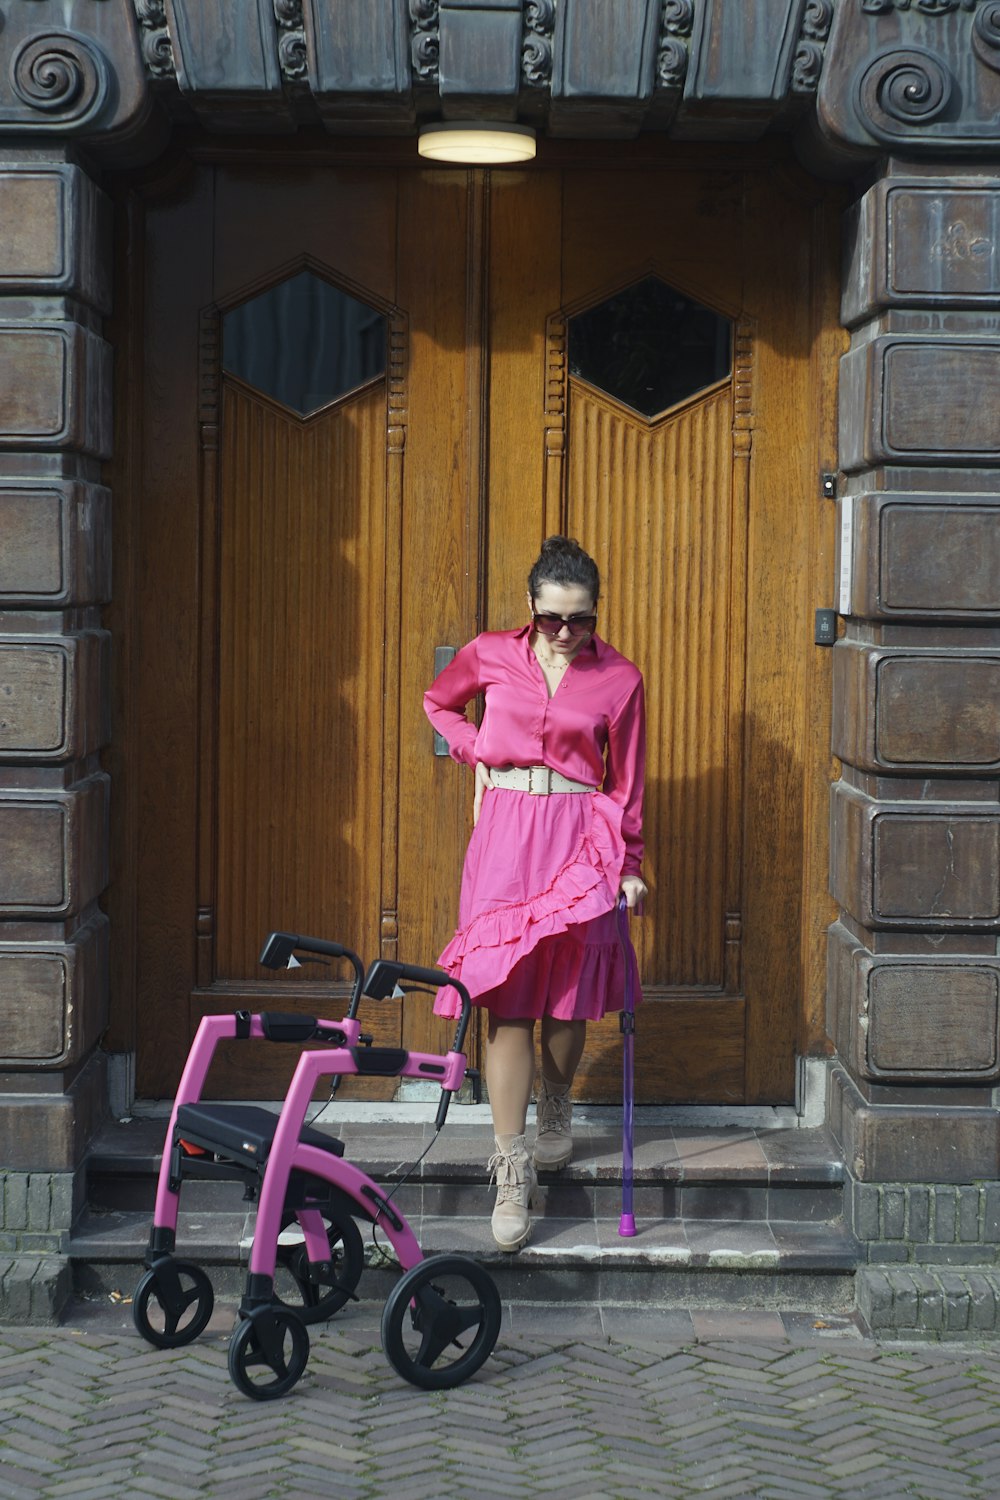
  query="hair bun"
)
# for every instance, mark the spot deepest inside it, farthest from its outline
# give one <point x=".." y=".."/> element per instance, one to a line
<point x="563" y="561"/>
<point x="562" y="546"/>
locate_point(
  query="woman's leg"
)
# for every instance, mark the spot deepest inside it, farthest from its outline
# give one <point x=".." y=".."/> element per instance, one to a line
<point x="510" y="1073"/>
<point x="562" y="1048"/>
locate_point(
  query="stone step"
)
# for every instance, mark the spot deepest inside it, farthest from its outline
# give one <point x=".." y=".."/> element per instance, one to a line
<point x="680" y="1172"/>
<point x="727" y="1214"/>
<point x="671" y="1262"/>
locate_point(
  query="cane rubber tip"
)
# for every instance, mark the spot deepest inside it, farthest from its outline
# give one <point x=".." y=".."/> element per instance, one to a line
<point x="626" y="1227"/>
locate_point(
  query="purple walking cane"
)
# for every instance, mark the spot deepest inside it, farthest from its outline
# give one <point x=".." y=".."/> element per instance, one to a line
<point x="626" y="1020"/>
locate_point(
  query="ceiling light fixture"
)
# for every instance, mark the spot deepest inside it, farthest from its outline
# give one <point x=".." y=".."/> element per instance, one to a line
<point x="476" y="143"/>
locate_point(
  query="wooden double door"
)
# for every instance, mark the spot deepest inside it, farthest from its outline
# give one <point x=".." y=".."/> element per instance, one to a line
<point x="303" y="529"/>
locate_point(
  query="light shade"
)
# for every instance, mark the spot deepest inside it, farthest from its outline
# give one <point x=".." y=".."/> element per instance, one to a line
<point x="477" y="144"/>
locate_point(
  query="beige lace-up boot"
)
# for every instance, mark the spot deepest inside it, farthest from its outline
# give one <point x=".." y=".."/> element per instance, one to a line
<point x="553" y="1140"/>
<point x="511" y="1169"/>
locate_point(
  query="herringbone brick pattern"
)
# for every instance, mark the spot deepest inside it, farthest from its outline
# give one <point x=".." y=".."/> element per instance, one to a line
<point x="90" y="1411"/>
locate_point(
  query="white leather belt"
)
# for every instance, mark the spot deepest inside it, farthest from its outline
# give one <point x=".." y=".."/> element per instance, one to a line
<point x="538" y="780"/>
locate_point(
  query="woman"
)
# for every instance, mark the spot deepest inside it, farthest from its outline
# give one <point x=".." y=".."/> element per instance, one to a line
<point x="559" y="763"/>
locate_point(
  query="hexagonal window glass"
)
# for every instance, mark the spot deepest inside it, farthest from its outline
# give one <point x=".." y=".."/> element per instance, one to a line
<point x="650" y="346"/>
<point x="304" y="343"/>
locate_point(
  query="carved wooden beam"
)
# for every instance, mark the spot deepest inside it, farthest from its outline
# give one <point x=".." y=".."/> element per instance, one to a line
<point x="910" y="76"/>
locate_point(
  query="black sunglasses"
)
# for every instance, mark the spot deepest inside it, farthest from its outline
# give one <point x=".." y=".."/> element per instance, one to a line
<point x="577" y="625"/>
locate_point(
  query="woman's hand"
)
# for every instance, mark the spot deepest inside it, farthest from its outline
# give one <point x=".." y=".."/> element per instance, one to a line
<point x="634" y="889"/>
<point x="483" y="784"/>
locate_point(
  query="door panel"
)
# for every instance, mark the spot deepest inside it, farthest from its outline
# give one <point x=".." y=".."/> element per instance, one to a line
<point x="300" y="680"/>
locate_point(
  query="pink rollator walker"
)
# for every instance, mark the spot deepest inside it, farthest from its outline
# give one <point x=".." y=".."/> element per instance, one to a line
<point x="441" y="1319"/>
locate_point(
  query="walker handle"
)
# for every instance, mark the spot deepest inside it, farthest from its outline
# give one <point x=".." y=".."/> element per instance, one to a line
<point x="386" y="974"/>
<point x="279" y="947"/>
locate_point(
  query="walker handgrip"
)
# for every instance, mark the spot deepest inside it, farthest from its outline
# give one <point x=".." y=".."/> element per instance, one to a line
<point x="385" y="974"/>
<point x="280" y="946"/>
<point x="320" y="945"/>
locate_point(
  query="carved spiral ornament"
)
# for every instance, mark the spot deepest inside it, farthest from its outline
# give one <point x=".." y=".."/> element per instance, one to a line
<point x="424" y="43"/>
<point x="536" y="48"/>
<point x="902" y="90"/>
<point x="986" y="33"/>
<point x="817" y="20"/>
<point x="540" y="15"/>
<point x="293" y="54"/>
<point x="157" y="52"/>
<point x="60" y="74"/>
<point x="671" y="63"/>
<point x="536" y="58"/>
<point x="154" y="37"/>
<point x="677" y="17"/>
<point x="426" y="50"/>
<point x="151" y="12"/>
<point x="807" y="67"/>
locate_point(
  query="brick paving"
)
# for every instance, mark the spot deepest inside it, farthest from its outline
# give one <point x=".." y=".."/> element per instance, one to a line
<point x="592" y="1404"/>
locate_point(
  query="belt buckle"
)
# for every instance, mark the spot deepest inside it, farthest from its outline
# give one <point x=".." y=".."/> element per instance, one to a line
<point x="545" y="775"/>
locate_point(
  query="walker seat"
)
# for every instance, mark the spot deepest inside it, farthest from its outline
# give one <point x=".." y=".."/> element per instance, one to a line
<point x="240" y="1133"/>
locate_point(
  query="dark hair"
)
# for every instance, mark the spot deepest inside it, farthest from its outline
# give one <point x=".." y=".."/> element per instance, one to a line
<point x="563" y="561"/>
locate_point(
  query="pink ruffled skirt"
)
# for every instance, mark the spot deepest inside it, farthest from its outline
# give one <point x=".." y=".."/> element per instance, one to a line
<point x="538" y="932"/>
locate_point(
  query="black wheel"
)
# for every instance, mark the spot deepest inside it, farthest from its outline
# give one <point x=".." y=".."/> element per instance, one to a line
<point x="441" y="1321"/>
<point x="172" y="1304"/>
<point x="267" y="1353"/>
<point x="318" y="1294"/>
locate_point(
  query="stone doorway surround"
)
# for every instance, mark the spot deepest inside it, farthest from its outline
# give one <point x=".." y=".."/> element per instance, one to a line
<point x="899" y="97"/>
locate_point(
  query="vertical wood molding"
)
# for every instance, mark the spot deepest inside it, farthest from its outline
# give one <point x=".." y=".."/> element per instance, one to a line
<point x="818" y="907"/>
<point x="396" y="419"/>
<point x="743" y="419"/>
<point x="554" y="501"/>
<point x="209" y="362"/>
<point x="477" y="405"/>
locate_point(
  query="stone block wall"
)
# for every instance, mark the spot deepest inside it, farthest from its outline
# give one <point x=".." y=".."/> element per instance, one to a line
<point x="914" y="970"/>
<point x="55" y="429"/>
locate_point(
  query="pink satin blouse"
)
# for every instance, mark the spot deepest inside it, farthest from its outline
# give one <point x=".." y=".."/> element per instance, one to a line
<point x="592" y="729"/>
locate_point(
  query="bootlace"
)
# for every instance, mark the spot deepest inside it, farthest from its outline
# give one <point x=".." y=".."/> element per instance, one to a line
<point x="554" y="1113"/>
<point x="503" y="1171"/>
